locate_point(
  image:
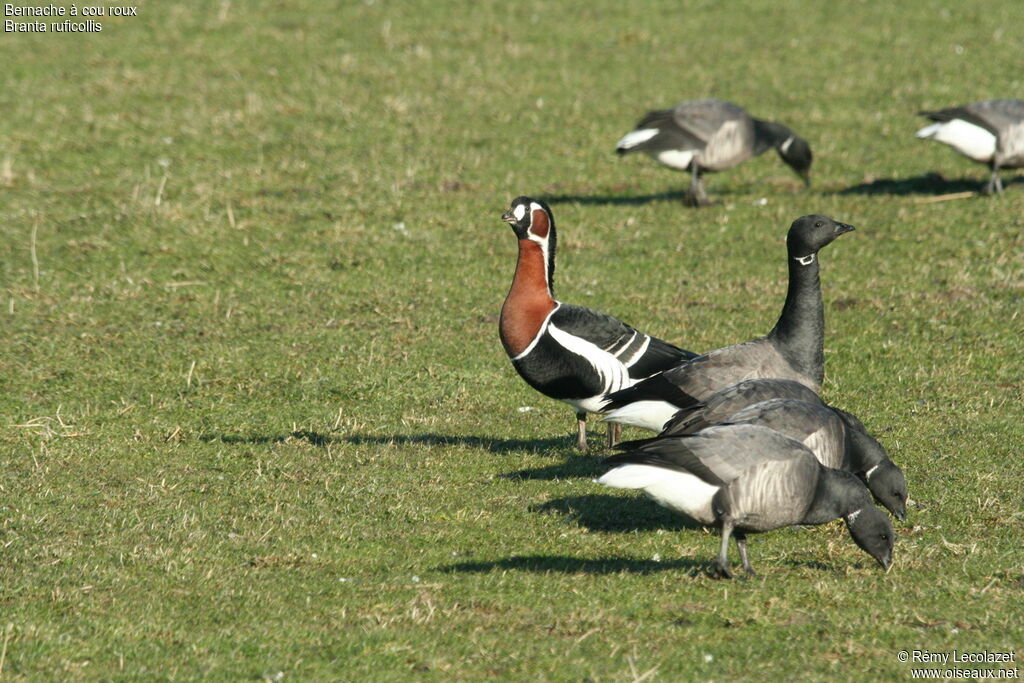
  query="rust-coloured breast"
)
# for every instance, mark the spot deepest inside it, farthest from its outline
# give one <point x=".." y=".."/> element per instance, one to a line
<point x="528" y="302"/>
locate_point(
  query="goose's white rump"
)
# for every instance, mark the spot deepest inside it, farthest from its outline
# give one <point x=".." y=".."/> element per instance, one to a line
<point x="678" y="491"/>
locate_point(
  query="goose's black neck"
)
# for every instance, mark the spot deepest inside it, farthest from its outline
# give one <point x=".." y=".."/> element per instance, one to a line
<point x="837" y="494"/>
<point x="549" y="252"/>
<point x="799" y="334"/>
<point x="769" y="135"/>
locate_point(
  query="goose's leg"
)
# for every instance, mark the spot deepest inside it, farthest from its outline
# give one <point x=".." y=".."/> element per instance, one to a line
<point x="741" y="543"/>
<point x="695" y="196"/>
<point x="614" y="433"/>
<point x="581" y="431"/>
<point x="723" y="552"/>
<point x="995" y="183"/>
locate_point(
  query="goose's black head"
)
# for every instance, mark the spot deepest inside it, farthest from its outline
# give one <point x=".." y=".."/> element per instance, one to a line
<point x="808" y="234"/>
<point x="889" y="487"/>
<point x="872" y="532"/>
<point x="796" y="152"/>
<point x="884" y="478"/>
<point x="531" y="219"/>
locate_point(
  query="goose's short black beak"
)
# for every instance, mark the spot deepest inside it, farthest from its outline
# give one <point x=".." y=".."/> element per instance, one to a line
<point x="806" y="177"/>
<point x="886" y="562"/>
<point x="508" y="217"/>
<point x="843" y="227"/>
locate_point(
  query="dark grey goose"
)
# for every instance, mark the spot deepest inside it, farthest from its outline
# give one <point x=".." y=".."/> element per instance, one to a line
<point x="712" y="135"/>
<point x="747" y="479"/>
<point x="794" y="349"/>
<point x="837" y="438"/>
<point x="989" y="132"/>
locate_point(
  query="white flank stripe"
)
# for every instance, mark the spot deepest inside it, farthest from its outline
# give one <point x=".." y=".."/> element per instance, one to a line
<point x="613" y="373"/>
<point x="974" y="142"/>
<point x="650" y="415"/>
<point x="540" y="333"/>
<point x="677" y="491"/>
<point x="639" y="353"/>
<point x="675" y="158"/>
<point x="630" y="140"/>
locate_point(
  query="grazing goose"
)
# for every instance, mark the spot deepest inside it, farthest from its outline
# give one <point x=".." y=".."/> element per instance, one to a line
<point x="869" y="460"/>
<point x="989" y="132"/>
<point x="568" y="353"/>
<point x="712" y="135"/>
<point x="794" y="349"/>
<point x="837" y="438"/>
<point x="747" y="479"/>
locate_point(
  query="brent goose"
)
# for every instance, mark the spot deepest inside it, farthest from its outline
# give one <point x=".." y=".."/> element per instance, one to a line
<point x="712" y="135"/>
<point x="746" y="479"/>
<point x="837" y="438"/>
<point x="989" y="132"/>
<point x="566" y="352"/>
<point x="794" y="349"/>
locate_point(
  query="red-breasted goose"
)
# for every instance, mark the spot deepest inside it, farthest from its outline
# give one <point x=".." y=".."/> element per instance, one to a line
<point x="712" y="135"/>
<point x="569" y="353"/>
<point x="746" y="479"/>
<point x="989" y="132"/>
<point x="837" y="438"/>
<point x="794" y="349"/>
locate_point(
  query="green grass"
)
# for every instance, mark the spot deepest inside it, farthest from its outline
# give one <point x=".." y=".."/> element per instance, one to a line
<point x="254" y="416"/>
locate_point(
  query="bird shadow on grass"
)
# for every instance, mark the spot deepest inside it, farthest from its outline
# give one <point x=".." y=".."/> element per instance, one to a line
<point x="315" y="438"/>
<point x="575" y="467"/>
<point x="579" y="565"/>
<point x="500" y="446"/>
<point x="924" y="184"/>
<point x="617" y="514"/>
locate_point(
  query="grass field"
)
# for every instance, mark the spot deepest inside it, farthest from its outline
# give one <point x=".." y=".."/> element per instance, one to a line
<point x="255" y="421"/>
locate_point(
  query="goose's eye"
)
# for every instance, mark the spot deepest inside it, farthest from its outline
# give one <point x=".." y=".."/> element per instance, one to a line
<point x="818" y="224"/>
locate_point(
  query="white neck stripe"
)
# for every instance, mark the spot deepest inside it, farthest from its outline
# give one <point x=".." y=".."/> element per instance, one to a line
<point x="852" y="517"/>
<point x="804" y="260"/>
<point x="867" y="475"/>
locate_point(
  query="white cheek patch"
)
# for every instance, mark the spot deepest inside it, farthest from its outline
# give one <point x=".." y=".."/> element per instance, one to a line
<point x="519" y="212"/>
<point x="804" y="260"/>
